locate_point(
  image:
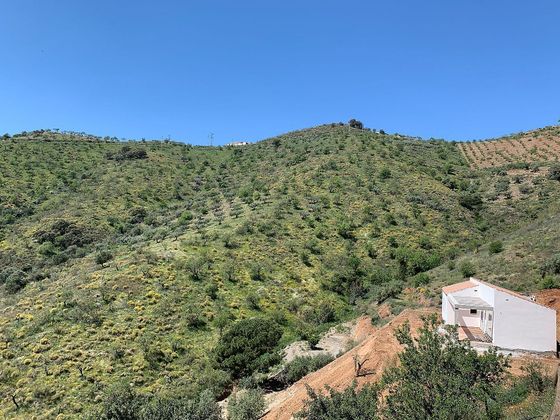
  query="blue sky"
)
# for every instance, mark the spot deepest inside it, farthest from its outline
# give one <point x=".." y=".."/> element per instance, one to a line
<point x="247" y="70"/>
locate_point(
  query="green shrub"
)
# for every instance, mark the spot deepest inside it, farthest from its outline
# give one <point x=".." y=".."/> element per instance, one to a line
<point x="301" y="366"/>
<point x="554" y="173"/>
<point x="122" y="402"/>
<point x="257" y="271"/>
<point x="502" y="186"/>
<point x="103" y="256"/>
<point x="420" y="279"/>
<point x="244" y="345"/>
<point x="385" y="173"/>
<point x="535" y="378"/>
<point x="355" y="124"/>
<point x="128" y="153"/>
<point x="63" y="234"/>
<point x="345" y="229"/>
<point x="197" y="267"/>
<point x="322" y="312"/>
<point x="211" y="290"/>
<point x="471" y="201"/>
<point x="414" y="261"/>
<point x="15" y="282"/>
<point x="441" y="377"/>
<point x="194" y="318"/>
<point x="202" y="408"/>
<point x="246" y="405"/>
<point x="348" y="275"/>
<point x="309" y="333"/>
<point x="549" y="282"/>
<point x="495" y="247"/>
<point x="467" y="269"/>
<point x="137" y="215"/>
<point x="185" y="218"/>
<point x="387" y="291"/>
<point x="551" y="266"/>
<point x="347" y="404"/>
<point x="253" y="301"/>
<point x="215" y="381"/>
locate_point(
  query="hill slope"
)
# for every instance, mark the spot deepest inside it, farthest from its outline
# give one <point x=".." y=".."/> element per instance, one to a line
<point x="125" y="261"/>
<point x="532" y="147"/>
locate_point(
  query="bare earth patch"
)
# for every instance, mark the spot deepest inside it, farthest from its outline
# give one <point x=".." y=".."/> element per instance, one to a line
<point x="534" y="146"/>
<point x="380" y="350"/>
<point x="336" y="341"/>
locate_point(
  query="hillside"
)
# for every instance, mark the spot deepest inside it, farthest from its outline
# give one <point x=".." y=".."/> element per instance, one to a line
<point x="125" y="261"/>
<point x="531" y="147"/>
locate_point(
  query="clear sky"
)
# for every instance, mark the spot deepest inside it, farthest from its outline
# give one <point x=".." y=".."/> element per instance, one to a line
<point x="246" y="70"/>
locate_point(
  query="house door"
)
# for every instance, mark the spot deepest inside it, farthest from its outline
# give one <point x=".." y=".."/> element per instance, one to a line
<point x="488" y="324"/>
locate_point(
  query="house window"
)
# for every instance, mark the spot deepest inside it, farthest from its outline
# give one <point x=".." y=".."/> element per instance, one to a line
<point x="473" y="311"/>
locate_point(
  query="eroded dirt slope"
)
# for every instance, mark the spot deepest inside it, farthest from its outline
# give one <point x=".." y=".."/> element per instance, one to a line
<point x="379" y="349"/>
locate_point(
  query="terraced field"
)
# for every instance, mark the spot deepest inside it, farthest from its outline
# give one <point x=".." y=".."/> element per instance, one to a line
<point x="534" y="146"/>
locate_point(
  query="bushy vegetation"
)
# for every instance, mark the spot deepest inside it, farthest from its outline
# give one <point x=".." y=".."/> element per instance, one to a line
<point x="347" y="404"/>
<point x="122" y="402"/>
<point x="248" y="346"/>
<point x="438" y="377"/>
<point x="301" y="366"/>
<point x="442" y="377"/>
<point x="554" y="173"/>
<point x="133" y="260"/>
<point x="495" y="247"/>
<point x="246" y="405"/>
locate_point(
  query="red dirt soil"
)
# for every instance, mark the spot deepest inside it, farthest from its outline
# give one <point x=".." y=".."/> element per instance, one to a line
<point x="551" y="298"/>
<point x="533" y="146"/>
<point x="380" y="350"/>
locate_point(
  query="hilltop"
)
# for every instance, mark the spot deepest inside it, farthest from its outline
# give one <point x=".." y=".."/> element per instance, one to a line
<point x="125" y="261"/>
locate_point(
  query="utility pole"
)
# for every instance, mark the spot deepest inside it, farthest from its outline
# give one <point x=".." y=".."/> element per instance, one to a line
<point x="211" y="139"/>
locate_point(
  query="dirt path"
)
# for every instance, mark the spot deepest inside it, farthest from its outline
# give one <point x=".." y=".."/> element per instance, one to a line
<point x="335" y="342"/>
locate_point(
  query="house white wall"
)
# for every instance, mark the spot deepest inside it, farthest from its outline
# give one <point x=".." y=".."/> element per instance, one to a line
<point x="521" y="324"/>
<point x="461" y="317"/>
<point x="482" y="291"/>
<point x="465" y="319"/>
<point x="517" y="323"/>
<point x="485" y="292"/>
<point x="447" y="310"/>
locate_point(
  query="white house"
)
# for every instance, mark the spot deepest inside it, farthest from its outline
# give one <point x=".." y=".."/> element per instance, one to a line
<point x="238" y="143"/>
<point x="507" y="319"/>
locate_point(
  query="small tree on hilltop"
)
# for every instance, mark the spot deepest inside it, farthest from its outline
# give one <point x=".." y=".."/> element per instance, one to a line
<point x="356" y="124"/>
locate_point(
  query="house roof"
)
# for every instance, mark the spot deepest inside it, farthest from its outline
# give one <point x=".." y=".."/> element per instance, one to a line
<point x="458" y="286"/>
<point x="469" y="302"/>
<point x="472" y="282"/>
<point x="502" y="289"/>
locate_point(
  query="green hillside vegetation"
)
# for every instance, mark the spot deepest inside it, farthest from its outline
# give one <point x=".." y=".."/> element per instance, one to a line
<point x="128" y="261"/>
<point x="524" y="259"/>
